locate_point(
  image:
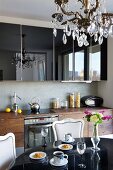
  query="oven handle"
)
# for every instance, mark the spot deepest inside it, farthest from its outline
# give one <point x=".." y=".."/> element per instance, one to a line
<point x="39" y="126"/>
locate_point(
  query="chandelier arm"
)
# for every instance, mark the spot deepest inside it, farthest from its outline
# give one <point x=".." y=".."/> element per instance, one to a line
<point x="66" y="13"/>
<point x="74" y="18"/>
<point x="94" y="8"/>
<point x="108" y="15"/>
<point x="80" y="16"/>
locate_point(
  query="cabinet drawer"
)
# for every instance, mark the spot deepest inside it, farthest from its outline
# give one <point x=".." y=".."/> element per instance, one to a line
<point x="12" y="125"/>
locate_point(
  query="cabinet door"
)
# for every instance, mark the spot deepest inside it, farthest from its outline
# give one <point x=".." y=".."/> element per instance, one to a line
<point x="94" y="62"/>
<point x="73" y="66"/>
<point x="81" y="63"/>
<point x="3" y="129"/>
<point x="15" y="126"/>
<point x="75" y="115"/>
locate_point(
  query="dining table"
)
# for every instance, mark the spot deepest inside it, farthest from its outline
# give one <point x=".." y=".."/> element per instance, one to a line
<point x="93" y="160"/>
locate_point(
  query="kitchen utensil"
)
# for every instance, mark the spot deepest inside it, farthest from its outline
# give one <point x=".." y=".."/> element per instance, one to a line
<point x="35" y="105"/>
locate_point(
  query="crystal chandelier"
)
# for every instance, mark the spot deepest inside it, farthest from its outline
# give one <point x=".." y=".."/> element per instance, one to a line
<point x="91" y="19"/>
<point x="25" y="59"/>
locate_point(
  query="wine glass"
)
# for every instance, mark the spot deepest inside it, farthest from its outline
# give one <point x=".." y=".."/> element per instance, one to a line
<point x="81" y="147"/>
<point x="44" y="133"/>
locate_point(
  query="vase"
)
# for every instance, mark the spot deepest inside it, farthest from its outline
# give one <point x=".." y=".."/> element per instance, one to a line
<point x="95" y="138"/>
<point x="95" y="160"/>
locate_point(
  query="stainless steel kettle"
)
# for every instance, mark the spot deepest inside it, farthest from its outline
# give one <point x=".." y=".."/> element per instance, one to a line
<point x="34" y="105"/>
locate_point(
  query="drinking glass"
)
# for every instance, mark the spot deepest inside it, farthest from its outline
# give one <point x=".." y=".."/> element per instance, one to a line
<point x="81" y="147"/>
<point x="44" y="133"/>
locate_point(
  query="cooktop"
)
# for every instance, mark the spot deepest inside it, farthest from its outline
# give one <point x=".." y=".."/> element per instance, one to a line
<point x="41" y="111"/>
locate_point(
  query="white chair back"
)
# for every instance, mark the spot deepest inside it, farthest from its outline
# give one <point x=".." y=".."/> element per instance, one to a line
<point x="7" y="151"/>
<point x="73" y="126"/>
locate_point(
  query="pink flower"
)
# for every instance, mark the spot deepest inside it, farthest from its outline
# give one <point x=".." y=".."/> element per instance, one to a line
<point x="96" y="116"/>
<point x="87" y="112"/>
<point x="107" y="117"/>
<point x="101" y="111"/>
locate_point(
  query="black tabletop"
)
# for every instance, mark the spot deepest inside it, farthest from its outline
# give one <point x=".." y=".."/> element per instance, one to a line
<point x="101" y="160"/>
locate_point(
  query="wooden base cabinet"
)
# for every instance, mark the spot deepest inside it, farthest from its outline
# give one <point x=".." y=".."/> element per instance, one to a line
<point x="9" y="122"/>
<point x="14" y="124"/>
<point x="105" y="128"/>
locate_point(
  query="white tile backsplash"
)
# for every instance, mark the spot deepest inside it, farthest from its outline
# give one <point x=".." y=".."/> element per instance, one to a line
<point x="45" y="91"/>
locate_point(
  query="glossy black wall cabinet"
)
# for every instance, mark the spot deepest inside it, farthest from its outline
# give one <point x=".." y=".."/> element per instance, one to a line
<point x="80" y="63"/>
<point x="54" y="60"/>
<point x="37" y="42"/>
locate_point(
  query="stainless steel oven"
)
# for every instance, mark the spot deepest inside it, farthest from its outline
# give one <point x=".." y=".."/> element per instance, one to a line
<point x="33" y="130"/>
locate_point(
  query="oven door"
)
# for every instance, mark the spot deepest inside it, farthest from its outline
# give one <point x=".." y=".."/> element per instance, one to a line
<point x="38" y="133"/>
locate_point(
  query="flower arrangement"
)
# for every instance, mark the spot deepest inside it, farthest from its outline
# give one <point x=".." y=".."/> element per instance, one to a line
<point x="96" y="117"/>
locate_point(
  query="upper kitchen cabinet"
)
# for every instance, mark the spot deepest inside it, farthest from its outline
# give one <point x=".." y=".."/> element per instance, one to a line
<point x="31" y="53"/>
<point x="26" y="53"/>
<point x="80" y="63"/>
<point x="9" y="44"/>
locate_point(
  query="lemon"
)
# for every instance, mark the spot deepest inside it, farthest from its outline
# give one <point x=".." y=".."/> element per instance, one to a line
<point x="7" y="109"/>
<point x="19" y="111"/>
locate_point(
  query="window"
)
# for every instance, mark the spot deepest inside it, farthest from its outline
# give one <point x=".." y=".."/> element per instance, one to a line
<point x="94" y="63"/>
<point x="73" y="66"/>
<point x="68" y="66"/>
<point x="85" y="63"/>
<point x="79" y="65"/>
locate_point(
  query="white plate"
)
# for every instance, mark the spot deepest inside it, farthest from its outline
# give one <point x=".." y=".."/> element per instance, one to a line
<point x="63" y="147"/>
<point x="37" y="158"/>
<point x="68" y="141"/>
<point x="64" y="162"/>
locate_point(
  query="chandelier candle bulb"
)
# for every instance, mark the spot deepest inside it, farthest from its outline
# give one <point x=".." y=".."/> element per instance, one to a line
<point x="86" y="4"/>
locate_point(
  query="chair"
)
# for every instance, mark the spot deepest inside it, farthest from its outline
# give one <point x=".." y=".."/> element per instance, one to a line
<point x="7" y="151"/>
<point x="73" y="126"/>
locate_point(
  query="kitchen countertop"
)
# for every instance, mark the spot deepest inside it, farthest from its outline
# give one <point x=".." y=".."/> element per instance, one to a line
<point x="77" y="110"/>
<point x="25" y="114"/>
<point x="47" y="112"/>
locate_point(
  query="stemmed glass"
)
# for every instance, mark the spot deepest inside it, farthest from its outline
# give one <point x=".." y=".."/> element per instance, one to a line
<point x="44" y="133"/>
<point x="81" y="147"/>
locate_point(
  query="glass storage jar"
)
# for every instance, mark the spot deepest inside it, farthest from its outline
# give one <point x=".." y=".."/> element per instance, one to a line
<point x="71" y="100"/>
<point x="55" y="103"/>
<point x="77" y="100"/>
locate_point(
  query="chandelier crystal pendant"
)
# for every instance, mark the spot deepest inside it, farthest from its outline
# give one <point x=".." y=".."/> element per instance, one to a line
<point x="91" y="19"/>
